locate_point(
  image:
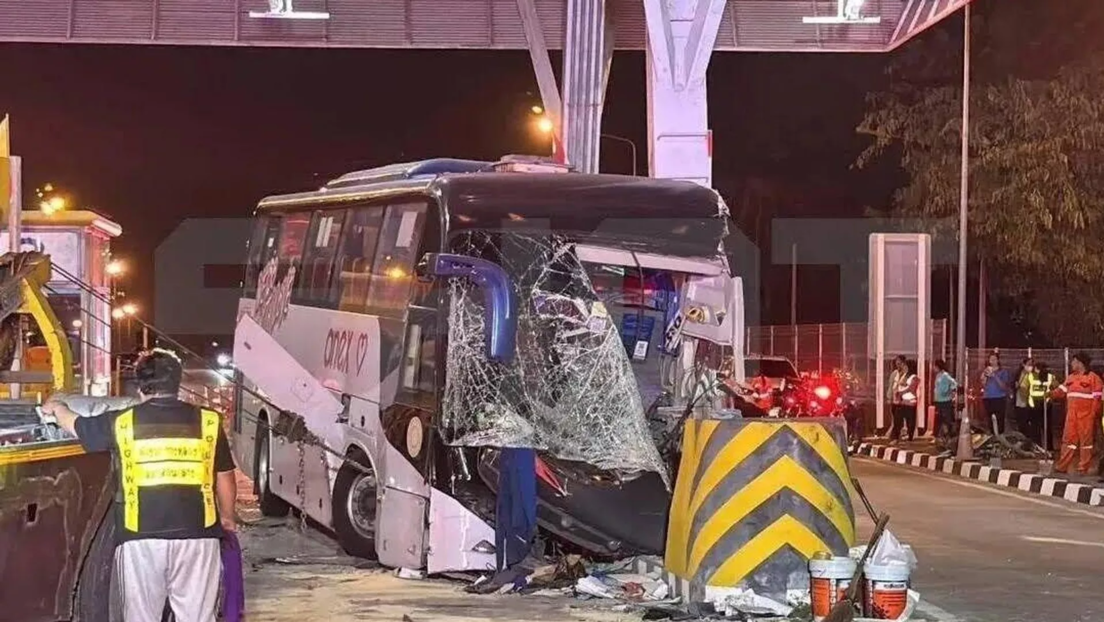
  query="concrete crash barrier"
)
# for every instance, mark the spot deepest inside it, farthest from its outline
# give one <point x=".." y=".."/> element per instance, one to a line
<point x="755" y="500"/>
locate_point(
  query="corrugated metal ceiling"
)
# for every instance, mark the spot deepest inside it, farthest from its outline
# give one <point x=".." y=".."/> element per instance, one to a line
<point x="748" y="25"/>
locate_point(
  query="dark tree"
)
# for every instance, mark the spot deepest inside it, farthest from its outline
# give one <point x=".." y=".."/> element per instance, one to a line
<point x="1036" y="165"/>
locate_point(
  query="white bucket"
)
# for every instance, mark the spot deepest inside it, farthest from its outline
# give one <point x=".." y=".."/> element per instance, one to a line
<point x="828" y="583"/>
<point x="885" y="591"/>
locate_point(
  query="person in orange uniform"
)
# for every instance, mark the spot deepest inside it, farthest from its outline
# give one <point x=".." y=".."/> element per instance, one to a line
<point x="1082" y="391"/>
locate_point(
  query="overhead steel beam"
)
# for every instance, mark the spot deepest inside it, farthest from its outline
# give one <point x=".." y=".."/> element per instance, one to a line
<point x="542" y="63"/>
<point x="918" y="16"/>
<point x="681" y="38"/>
<point x="703" y="36"/>
<point x="588" y="52"/>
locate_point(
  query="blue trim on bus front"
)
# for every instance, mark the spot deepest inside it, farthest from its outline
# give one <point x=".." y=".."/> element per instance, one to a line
<point x="498" y="298"/>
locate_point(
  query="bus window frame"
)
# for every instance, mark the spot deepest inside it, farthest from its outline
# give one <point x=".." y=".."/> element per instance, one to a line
<point x="399" y="311"/>
<point x="310" y="297"/>
<point x="255" y="251"/>
<point x="337" y="287"/>
<point x="280" y="254"/>
<point x="425" y="311"/>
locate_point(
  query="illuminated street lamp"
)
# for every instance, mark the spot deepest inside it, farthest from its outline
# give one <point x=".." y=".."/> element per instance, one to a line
<point x="53" y="205"/>
<point x="118" y="314"/>
<point x="545" y="126"/>
<point x="115" y="268"/>
<point x="130" y="308"/>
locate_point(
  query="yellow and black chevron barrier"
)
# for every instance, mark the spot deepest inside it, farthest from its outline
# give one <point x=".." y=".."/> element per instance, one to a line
<point x="754" y="500"/>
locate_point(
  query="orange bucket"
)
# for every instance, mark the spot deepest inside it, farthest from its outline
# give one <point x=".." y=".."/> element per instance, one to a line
<point x="885" y="591"/>
<point x="828" y="583"/>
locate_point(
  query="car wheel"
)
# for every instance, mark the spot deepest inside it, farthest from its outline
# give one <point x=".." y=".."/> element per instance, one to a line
<point x="269" y="503"/>
<point x="354" y="511"/>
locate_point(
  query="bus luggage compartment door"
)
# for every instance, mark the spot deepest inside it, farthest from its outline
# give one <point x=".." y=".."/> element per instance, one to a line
<point x="458" y="539"/>
<point x="401" y="536"/>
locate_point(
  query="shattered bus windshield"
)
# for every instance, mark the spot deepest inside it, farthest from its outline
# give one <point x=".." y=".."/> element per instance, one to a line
<point x="591" y="325"/>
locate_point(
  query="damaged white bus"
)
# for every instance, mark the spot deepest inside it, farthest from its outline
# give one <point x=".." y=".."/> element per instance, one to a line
<point x="418" y="316"/>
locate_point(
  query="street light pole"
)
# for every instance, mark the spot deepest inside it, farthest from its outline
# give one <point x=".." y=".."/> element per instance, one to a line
<point x="632" y="145"/>
<point x="793" y="287"/>
<point x="965" y="445"/>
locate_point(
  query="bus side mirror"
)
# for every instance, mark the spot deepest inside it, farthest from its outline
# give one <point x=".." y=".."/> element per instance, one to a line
<point x="500" y="324"/>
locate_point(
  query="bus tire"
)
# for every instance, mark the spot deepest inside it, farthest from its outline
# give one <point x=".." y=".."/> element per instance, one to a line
<point x="354" y="510"/>
<point x="267" y="501"/>
<point x="97" y="598"/>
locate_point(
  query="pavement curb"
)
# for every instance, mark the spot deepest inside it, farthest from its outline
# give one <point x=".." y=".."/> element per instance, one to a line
<point x="1084" y="494"/>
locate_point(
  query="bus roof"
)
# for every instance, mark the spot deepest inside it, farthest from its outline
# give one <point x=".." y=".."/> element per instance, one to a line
<point x="498" y="195"/>
<point x="599" y="206"/>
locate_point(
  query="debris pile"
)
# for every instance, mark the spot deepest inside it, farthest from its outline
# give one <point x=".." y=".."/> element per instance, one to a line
<point x="628" y="589"/>
<point x="1009" y="445"/>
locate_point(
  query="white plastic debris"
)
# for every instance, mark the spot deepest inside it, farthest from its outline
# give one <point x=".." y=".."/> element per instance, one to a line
<point x="407" y="573"/>
<point x="592" y="586"/>
<point x="745" y="601"/>
<point x="798" y="598"/>
<point x="889" y="551"/>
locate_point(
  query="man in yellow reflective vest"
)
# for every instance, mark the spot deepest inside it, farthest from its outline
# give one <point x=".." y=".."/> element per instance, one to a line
<point x="1040" y="383"/>
<point x="176" y="493"/>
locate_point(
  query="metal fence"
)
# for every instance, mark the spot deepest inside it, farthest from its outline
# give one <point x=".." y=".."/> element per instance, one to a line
<point x="208" y="390"/>
<point x="826" y="347"/>
<point x="1057" y="359"/>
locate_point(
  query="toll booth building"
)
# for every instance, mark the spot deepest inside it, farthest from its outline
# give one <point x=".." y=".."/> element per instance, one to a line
<point x="79" y="244"/>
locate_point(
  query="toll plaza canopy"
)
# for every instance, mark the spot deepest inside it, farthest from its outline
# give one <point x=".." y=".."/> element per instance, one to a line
<point x="745" y="25"/>
<point x="678" y="38"/>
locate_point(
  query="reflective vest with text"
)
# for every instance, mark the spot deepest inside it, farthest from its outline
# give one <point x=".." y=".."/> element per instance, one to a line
<point x="167" y="479"/>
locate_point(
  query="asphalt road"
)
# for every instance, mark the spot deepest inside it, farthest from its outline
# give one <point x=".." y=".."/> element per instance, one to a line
<point x="988" y="554"/>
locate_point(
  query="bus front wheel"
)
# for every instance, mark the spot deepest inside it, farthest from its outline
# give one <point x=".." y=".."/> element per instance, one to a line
<point x="269" y="503"/>
<point x="354" y="510"/>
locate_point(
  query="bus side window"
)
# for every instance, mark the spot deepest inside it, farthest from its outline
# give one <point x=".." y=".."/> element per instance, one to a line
<point x="312" y="285"/>
<point x="419" y="358"/>
<point x="393" y="268"/>
<point x="262" y="247"/>
<point x="354" y="263"/>
<point x="293" y="234"/>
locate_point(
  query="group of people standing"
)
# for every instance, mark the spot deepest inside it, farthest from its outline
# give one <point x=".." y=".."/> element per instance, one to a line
<point x="1027" y="393"/>
<point x="903" y="393"/>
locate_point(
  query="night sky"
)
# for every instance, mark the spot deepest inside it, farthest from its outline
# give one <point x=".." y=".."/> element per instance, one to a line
<point x="153" y="135"/>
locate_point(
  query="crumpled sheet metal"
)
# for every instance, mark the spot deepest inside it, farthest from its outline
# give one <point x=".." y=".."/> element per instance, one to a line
<point x="571" y="390"/>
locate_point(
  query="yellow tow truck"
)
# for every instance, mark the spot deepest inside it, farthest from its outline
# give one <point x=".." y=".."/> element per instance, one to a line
<point x="56" y="542"/>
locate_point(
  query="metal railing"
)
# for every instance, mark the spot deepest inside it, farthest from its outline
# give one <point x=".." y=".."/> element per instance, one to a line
<point x="1057" y="359"/>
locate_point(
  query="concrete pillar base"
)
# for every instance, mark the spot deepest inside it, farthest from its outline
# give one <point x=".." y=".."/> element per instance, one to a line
<point x="754" y="500"/>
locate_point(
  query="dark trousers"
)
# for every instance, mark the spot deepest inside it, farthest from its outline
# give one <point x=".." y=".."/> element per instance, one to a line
<point x="1029" y="421"/>
<point x="944" y="419"/>
<point x="995" y="406"/>
<point x="903" y="416"/>
<point x="516" y="510"/>
<point x="1056" y="423"/>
